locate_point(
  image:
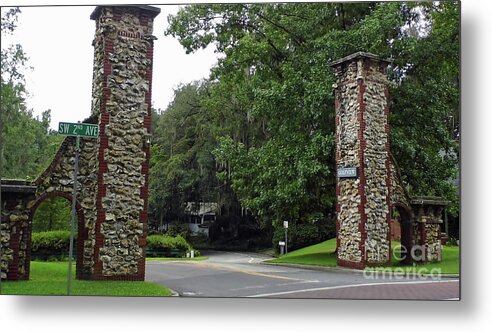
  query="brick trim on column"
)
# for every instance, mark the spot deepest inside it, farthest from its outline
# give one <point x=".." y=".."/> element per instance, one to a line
<point x="28" y="238"/>
<point x="352" y="265"/>
<point x="13" y="265"/>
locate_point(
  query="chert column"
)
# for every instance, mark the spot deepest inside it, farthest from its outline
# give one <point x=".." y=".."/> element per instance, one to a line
<point x="362" y="159"/>
<point x="122" y="81"/>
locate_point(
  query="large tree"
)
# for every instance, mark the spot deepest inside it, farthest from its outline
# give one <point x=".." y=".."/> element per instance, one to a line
<point x="26" y="142"/>
<point x="27" y="145"/>
<point x="182" y="168"/>
<point x="272" y="110"/>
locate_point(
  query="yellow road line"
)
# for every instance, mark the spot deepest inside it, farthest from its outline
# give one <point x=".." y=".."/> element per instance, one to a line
<point x="228" y="269"/>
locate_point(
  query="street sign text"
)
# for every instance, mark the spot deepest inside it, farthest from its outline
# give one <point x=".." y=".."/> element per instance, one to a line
<point x="349" y="172"/>
<point x="78" y="129"/>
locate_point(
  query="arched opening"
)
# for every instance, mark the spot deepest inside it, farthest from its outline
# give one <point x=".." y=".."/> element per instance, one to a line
<point x="52" y="213"/>
<point x="402" y="216"/>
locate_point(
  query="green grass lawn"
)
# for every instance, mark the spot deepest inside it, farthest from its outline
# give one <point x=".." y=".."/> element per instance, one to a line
<point x="450" y="263"/>
<point x="50" y="278"/>
<point x="323" y="254"/>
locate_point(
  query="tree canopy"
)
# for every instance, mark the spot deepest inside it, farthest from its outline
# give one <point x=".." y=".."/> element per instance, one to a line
<point x="268" y="109"/>
<point x="26" y="142"/>
<point x="257" y="136"/>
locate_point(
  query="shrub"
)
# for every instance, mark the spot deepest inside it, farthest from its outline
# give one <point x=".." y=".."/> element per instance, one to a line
<point x="55" y="240"/>
<point x="168" y="244"/>
<point x="176" y="229"/>
<point x="50" y="244"/>
<point x="199" y="241"/>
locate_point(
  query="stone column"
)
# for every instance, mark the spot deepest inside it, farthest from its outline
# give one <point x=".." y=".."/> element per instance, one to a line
<point x="122" y="80"/>
<point x="15" y="229"/>
<point x="427" y="230"/>
<point x="362" y="159"/>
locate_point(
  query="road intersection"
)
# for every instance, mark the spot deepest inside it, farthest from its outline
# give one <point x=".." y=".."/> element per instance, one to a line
<point x="228" y="274"/>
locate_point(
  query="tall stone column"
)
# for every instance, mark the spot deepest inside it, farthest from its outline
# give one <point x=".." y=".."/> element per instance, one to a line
<point x="362" y="159"/>
<point x="122" y="85"/>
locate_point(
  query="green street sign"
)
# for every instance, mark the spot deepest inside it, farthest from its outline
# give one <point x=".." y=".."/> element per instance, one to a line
<point x="78" y="129"/>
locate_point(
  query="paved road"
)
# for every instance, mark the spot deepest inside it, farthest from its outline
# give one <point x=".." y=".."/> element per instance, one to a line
<point x="227" y="274"/>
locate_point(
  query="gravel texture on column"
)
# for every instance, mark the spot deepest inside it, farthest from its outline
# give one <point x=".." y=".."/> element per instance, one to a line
<point x="112" y="199"/>
<point x="362" y="142"/>
<point x="427" y="227"/>
<point x="123" y="50"/>
<point x="15" y="236"/>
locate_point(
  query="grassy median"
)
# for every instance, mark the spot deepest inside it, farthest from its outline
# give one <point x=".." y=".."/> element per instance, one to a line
<point x="323" y="254"/>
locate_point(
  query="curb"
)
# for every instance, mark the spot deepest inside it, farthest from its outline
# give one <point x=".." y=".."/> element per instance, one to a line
<point x="347" y="270"/>
<point x="174" y="293"/>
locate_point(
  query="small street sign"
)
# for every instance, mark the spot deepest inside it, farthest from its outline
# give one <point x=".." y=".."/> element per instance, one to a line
<point x="286" y="226"/>
<point x="78" y="129"/>
<point x="349" y="172"/>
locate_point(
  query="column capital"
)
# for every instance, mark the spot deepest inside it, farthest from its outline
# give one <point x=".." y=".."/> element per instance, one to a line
<point x="151" y="10"/>
<point x="360" y="55"/>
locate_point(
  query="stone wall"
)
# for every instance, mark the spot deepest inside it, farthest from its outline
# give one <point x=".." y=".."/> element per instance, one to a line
<point x="123" y="51"/>
<point x="376" y="163"/>
<point x="433" y="242"/>
<point x="362" y="141"/>
<point x="57" y="180"/>
<point x="15" y="236"/>
<point x="349" y="239"/>
<point x="112" y="199"/>
<point x="427" y="213"/>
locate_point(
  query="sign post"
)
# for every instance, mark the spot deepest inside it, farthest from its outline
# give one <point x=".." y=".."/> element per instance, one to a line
<point x="281" y="244"/>
<point x="78" y="130"/>
<point x="72" y="220"/>
<point x="286" y="226"/>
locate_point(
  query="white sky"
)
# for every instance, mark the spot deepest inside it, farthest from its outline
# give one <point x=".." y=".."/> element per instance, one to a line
<point x="58" y="40"/>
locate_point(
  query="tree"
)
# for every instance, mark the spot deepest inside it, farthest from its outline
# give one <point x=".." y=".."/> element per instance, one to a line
<point x="272" y="109"/>
<point x="52" y="215"/>
<point x="271" y="98"/>
<point x="26" y="157"/>
<point x="182" y="168"/>
<point x="425" y="105"/>
<point x="425" y="119"/>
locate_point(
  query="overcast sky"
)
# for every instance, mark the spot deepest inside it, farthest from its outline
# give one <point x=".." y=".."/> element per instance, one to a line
<point x="58" y="42"/>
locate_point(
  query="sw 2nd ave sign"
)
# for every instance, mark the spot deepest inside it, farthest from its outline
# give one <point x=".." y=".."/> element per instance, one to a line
<point x="78" y="129"/>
